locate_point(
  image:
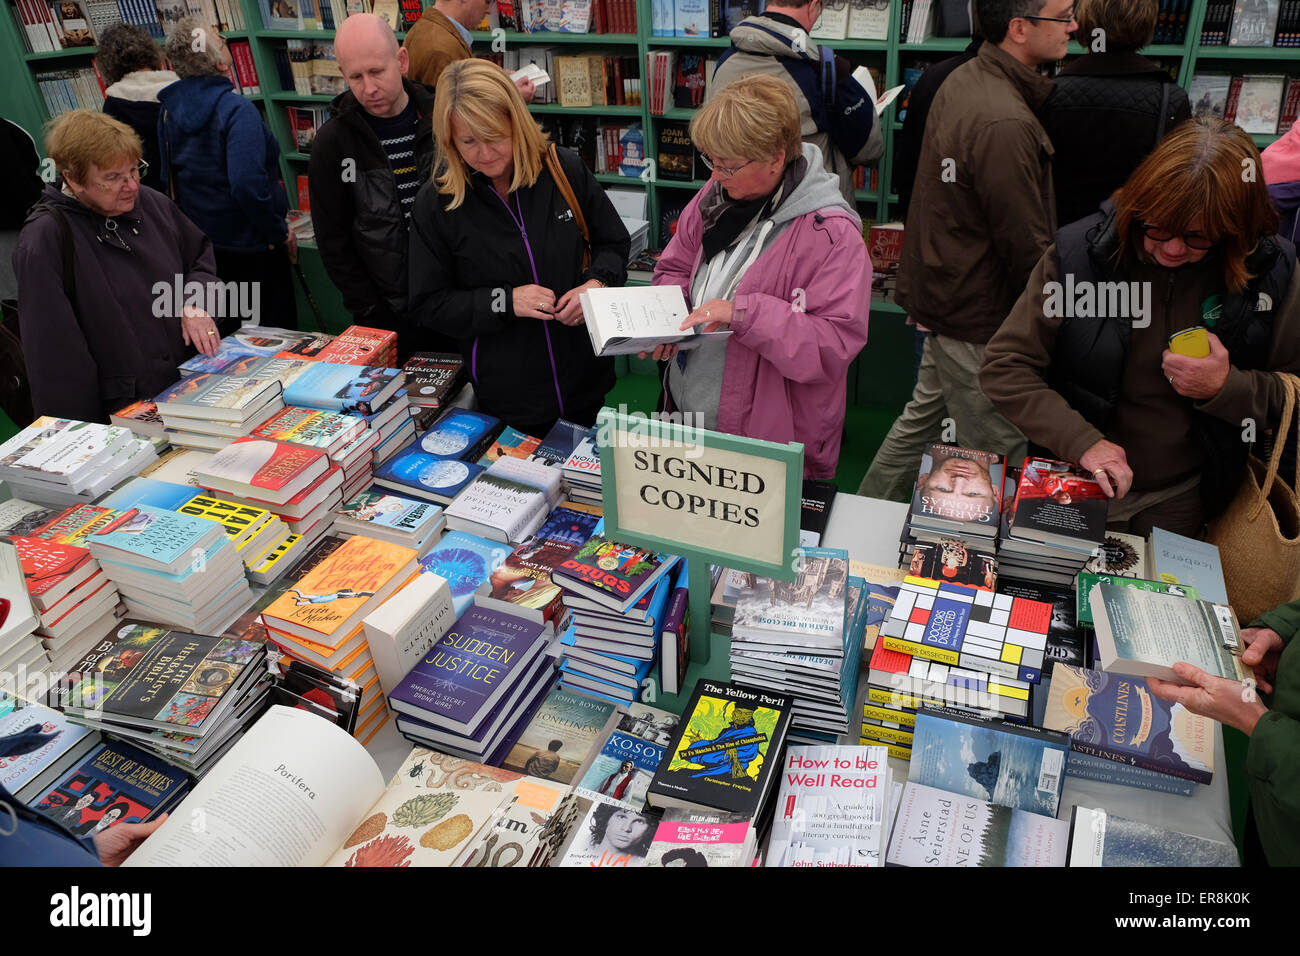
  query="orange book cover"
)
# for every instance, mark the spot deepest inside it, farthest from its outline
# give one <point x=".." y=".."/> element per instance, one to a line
<point x="288" y="642"/>
<point x="327" y="597"/>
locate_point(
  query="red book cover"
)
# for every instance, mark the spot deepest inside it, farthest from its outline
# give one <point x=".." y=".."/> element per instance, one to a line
<point x="46" y="564"/>
<point x="1291" y="106"/>
<point x="261" y="463"/>
<point x="359" y="345"/>
<point x="304" y="194"/>
<point x="1234" y="93"/>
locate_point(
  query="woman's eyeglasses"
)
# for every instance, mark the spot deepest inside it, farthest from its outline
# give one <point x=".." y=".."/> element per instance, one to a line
<point x="727" y="173"/>
<point x="1192" y="240"/>
<point x="115" y="180"/>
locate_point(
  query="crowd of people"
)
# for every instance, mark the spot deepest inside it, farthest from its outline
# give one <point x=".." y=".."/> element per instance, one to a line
<point x="443" y="212"/>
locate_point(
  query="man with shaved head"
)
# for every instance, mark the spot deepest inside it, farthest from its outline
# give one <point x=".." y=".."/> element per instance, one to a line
<point x="367" y="164"/>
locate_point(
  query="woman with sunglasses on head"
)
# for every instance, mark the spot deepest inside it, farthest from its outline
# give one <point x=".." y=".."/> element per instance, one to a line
<point x="1084" y="366"/>
<point x="770" y="251"/>
<point x="96" y="336"/>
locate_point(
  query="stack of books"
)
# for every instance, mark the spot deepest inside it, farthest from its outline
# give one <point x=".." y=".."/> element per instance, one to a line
<point x="173" y="568"/>
<point x="319" y="616"/>
<point x="297" y="484"/>
<point x="361" y="345"/>
<point x="75" y="524"/>
<point x="63" y="745"/>
<point x="22" y="651"/>
<point x="144" y="420"/>
<point x="475" y="691"/>
<point x="797" y="637"/>
<point x="181" y="696"/>
<point x="582" y="471"/>
<point x="433" y="379"/>
<point x="952" y="524"/>
<point x="618" y="595"/>
<point x="444" y="459"/>
<point x="209" y="409"/>
<point x="76" y="602"/>
<point x="559" y="443"/>
<point x="1056" y="523"/>
<point x="522" y="584"/>
<point x="61" y="461"/>
<point x="507" y="502"/>
<point x="345" y="439"/>
<point x="388" y="516"/>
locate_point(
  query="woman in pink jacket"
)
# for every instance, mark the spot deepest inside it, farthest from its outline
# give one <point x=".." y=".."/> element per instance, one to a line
<point x="770" y="250"/>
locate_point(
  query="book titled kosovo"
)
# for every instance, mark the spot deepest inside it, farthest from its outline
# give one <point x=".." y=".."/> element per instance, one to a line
<point x="1116" y="717"/>
<point x="324" y="605"/>
<point x="160" y="679"/>
<point x="462" y="677"/>
<point x="612" y="574"/>
<point x="727" y="750"/>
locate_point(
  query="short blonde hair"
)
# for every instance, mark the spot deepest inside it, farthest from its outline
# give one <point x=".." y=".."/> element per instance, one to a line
<point x="755" y="117"/>
<point x="78" y="138"/>
<point x="486" y="101"/>
<point x="1126" y="25"/>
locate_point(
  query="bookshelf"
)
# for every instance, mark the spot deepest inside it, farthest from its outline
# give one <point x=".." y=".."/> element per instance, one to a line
<point x="21" y="101"/>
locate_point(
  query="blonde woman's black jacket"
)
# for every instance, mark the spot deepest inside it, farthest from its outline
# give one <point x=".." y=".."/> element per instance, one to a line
<point x="465" y="262"/>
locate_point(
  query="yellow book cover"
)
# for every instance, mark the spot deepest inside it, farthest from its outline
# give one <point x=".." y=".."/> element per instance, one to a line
<point x="330" y="594"/>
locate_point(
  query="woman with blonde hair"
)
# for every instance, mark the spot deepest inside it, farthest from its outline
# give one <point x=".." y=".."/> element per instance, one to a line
<point x="96" y="336"/>
<point x="770" y="250"/>
<point x="1083" y="365"/>
<point x="498" y="256"/>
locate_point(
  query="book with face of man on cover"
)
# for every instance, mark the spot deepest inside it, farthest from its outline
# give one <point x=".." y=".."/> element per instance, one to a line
<point x="958" y="491"/>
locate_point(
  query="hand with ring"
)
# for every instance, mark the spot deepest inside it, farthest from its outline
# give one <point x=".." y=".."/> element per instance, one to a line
<point x="710" y="317"/>
<point x="200" y="330"/>
<point x="1109" y="465"/>
<point x="533" y="302"/>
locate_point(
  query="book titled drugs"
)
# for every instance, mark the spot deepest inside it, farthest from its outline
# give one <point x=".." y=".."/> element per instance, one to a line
<point x="1145" y="634"/>
<point x="832" y="808"/>
<point x="625" y="321"/>
<point x="459" y="680"/>
<point x="726" y="753"/>
<point x="1098" y="838"/>
<point x="612" y="574"/>
<point x="989" y="758"/>
<point x="1116" y="717"/>
<point x="937" y="828"/>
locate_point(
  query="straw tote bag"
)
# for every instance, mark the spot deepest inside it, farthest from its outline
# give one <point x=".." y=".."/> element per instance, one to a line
<point x="1258" y="535"/>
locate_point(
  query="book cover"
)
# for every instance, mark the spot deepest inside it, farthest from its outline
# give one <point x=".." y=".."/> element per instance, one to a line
<point x="359" y="345"/>
<point x="464" y="674"/>
<point x="401" y="630"/>
<point x="458" y="434"/>
<point x="343" y="388"/>
<point x="381" y="509"/>
<point x="1085" y="582"/>
<point x="75" y="525"/>
<point x="499" y="505"/>
<point x="990" y="759"/>
<point x="612" y="573"/>
<point x="726" y="752"/>
<point x="48" y="567"/>
<point x="465" y="560"/>
<point x="58" y="736"/>
<point x="1175" y="559"/>
<point x="811" y="607"/>
<point x="560" y="442"/>
<point x="937" y="828"/>
<point x="154" y="538"/>
<point x="427" y="475"/>
<point x="18" y="517"/>
<point x="140" y="490"/>
<point x="1254" y="22"/>
<point x="227" y="397"/>
<point x="1098" y="838"/>
<point x="623" y="769"/>
<point x="524" y="579"/>
<point x="324" y="601"/>
<point x="512" y="443"/>
<point x="562" y="736"/>
<point x="1120" y="555"/>
<point x="273" y="471"/>
<point x="311" y="427"/>
<point x="1066" y="643"/>
<point x="607" y="833"/>
<point x="116" y="783"/>
<point x="1058" y="501"/>
<point x="815" y="511"/>
<point x="702" y="838"/>
<point x="831" y="809"/>
<point x="958" y="488"/>
<point x="1116" y="717"/>
<point x="954" y="561"/>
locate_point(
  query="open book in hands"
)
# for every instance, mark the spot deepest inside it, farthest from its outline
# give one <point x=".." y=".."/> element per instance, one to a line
<point x="882" y="100"/>
<point x="626" y="321"/>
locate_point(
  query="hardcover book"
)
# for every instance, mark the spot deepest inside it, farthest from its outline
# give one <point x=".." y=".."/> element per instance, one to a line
<point x="360" y="345"/>
<point x="1116" y="717"/>
<point x="1175" y="559"/>
<point x="958" y="490"/>
<point x="402" y="629"/>
<point x="263" y="470"/>
<point x="116" y="783"/>
<point x="225" y="398"/>
<point x="460" y="434"/>
<point x="809" y="610"/>
<point x="1098" y="838"/>
<point x="991" y="759"/>
<point x="605" y="833"/>
<point x="954" y="561"/>
<point x="465" y="561"/>
<point x="937" y="828"/>
<point x="52" y="570"/>
<point x="523" y="583"/>
<point x="432" y="378"/>
<point x="726" y="753"/>
<point x="416" y="472"/>
<point x="1057" y="503"/>
<point x="559" y="443"/>
<point x="75" y="525"/>
<point x="327" y="431"/>
<point x="1066" y="641"/>
<point x="155" y="539"/>
<point x="563" y="736"/>
<point x="508" y="502"/>
<point x="462" y="677"/>
<point x="60" y="742"/>
<point x="344" y="388"/>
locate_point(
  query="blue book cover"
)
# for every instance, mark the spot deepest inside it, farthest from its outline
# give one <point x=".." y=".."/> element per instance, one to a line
<point x="638" y="668"/>
<point x="137" y="491"/>
<point x="458" y="434"/>
<point x="427" y="474"/>
<point x="989" y="759"/>
<point x="154" y="535"/>
<point x="624" y="768"/>
<point x="227" y="354"/>
<point x="567" y="526"/>
<point x="459" y="680"/>
<point x="465" y="560"/>
<point x="1176" y="559"/>
<point x="198" y="564"/>
<point x="58" y="735"/>
<point x="116" y="783"/>
<point x="341" y="388"/>
<point x="560" y="442"/>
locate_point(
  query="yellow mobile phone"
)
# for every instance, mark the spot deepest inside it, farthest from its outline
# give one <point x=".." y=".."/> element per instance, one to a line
<point x="1194" y="343"/>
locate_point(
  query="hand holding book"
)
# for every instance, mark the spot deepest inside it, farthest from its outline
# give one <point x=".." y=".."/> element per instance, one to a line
<point x="1109" y="465"/>
<point x="1263" y="650"/>
<point x="569" y="309"/>
<point x="1230" y="702"/>
<point x="713" y="315"/>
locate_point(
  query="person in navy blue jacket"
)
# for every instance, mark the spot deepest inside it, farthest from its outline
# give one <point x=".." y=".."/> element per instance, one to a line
<point x="220" y="165"/>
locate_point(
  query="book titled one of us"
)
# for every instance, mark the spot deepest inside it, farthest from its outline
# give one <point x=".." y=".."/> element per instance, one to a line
<point x="625" y="321"/>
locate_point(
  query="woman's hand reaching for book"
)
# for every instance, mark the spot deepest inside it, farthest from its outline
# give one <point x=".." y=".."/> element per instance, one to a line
<point x="118" y="842"/>
<point x="200" y="330"/>
<point x="1109" y="465"/>
<point x="1230" y="702"/>
<point x="533" y="302"/>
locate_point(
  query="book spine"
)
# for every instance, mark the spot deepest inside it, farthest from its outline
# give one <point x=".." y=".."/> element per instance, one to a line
<point x="1141" y="761"/>
<point x="1126" y="775"/>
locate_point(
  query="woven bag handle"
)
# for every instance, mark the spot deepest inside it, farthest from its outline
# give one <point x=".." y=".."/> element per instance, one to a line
<point x="1291" y="385"/>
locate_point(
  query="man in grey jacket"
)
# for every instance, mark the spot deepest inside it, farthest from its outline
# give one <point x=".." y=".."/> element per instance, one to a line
<point x="836" y="114"/>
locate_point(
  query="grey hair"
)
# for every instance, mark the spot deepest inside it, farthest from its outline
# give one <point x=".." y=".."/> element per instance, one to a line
<point x="207" y="60"/>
